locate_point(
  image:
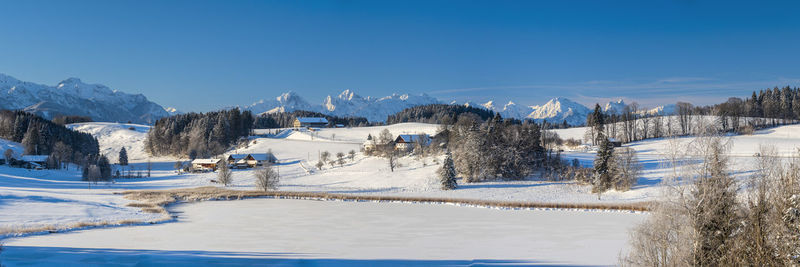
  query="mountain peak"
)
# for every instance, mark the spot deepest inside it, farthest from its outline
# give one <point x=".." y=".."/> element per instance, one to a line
<point x="348" y="94"/>
<point x="73" y="97"/>
<point x="615" y="107"/>
<point x="560" y="109"/>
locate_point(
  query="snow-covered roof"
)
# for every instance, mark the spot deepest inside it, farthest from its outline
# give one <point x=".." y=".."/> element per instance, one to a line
<point x="410" y="138"/>
<point x="312" y="120"/>
<point x="262" y="156"/>
<point x="237" y="156"/>
<point x="34" y="158"/>
<point x="206" y="161"/>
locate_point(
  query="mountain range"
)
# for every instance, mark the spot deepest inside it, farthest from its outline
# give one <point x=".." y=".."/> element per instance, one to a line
<point x="348" y="103"/>
<point x="74" y="97"/>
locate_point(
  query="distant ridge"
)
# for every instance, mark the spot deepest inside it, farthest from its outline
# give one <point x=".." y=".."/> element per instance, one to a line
<point x="74" y="97"/>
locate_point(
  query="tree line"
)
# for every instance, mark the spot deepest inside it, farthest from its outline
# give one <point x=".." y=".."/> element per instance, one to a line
<point x="286" y="119"/>
<point x="40" y="136"/>
<point x="437" y="114"/>
<point x="765" y="108"/>
<point x="198" y="134"/>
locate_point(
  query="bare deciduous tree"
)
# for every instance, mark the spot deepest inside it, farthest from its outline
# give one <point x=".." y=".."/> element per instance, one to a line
<point x="224" y="175"/>
<point x="266" y="178"/>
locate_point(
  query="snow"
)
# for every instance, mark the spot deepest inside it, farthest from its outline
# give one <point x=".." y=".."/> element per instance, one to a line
<point x="346" y="104"/>
<point x="30" y="198"/>
<point x="295" y="232"/>
<point x="14" y="146"/>
<point x="560" y="109"/>
<point x="114" y="136"/>
<point x="74" y="97"/>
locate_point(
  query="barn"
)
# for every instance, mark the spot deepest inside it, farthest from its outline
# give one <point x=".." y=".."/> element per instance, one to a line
<point x="206" y="164"/>
<point x="310" y="122"/>
<point x="407" y="141"/>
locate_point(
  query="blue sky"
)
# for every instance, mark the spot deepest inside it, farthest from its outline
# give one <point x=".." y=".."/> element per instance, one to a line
<point x="202" y="55"/>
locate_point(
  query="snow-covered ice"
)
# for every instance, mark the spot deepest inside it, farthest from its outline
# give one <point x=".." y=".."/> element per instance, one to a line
<point x="300" y="232"/>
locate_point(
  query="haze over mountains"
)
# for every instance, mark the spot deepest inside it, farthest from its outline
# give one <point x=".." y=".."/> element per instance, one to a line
<point x="74" y="97"/>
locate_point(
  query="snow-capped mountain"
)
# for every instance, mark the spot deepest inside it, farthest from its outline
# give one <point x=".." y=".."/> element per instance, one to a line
<point x="556" y="111"/>
<point x="74" y="97"/>
<point x="347" y="103"/>
<point x="173" y="111"/>
<point x="614" y="107"/>
<point x="662" y="110"/>
<point x="560" y="109"/>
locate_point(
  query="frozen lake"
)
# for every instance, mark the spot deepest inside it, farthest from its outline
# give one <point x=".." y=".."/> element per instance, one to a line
<point x="301" y="232"/>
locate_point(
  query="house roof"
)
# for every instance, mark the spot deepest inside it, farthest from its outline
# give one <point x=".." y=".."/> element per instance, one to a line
<point x="312" y="120"/>
<point x="262" y="156"/>
<point x="237" y="156"/>
<point x="206" y="161"/>
<point x="35" y="158"/>
<point x="409" y="138"/>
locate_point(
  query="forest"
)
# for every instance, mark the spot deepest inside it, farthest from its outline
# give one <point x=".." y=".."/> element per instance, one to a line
<point x="437" y="114"/>
<point x="765" y="108"/>
<point x="286" y="119"/>
<point x="40" y="136"/>
<point x="198" y="134"/>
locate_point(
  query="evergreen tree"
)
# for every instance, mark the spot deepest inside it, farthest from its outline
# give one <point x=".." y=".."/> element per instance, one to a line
<point x="104" y="166"/>
<point x="598" y="121"/>
<point x="602" y="176"/>
<point x="796" y="105"/>
<point x="447" y="173"/>
<point x="31" y="140"/>
<point x="123" y="157"/>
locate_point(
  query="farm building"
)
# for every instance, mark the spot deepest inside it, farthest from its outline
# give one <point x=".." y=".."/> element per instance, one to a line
<point x="205" y="164"/>
<point x="251" y="160"/>
<point x="310" y="122"/>
<point x="615" y="142"/>
<point x="407" y="141"/>
<point x="35" y="161"/>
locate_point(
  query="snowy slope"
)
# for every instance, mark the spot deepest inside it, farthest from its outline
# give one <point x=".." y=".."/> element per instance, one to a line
<point x="112" y="137"/>
<point x="14" y="146"/>
<point x="74" y="97"/>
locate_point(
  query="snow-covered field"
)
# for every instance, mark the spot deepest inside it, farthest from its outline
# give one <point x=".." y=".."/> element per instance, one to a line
<point x="304" y="232"/>
<point x="33" y="199"/>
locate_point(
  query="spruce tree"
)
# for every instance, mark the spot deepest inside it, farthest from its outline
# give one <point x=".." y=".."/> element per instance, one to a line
<point x="598" y="121"/>
<point x="30" y="141"/>
<point x="602" y="176"/>
<point x="447" y="173"/>
<point x="123" y="157"/>
<point x="104" y="166"/>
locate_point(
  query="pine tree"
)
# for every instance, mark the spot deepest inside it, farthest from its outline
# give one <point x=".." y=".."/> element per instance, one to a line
<point x="104" y="166"/>
<point x="447" y="173"/>
<point x="598" y="121"/>
<point x="123" y="157"/>
<point x="30" y="141"/>
<point x="602" y="176"/>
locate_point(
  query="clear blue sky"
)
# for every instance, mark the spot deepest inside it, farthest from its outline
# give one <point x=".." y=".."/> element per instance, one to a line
<point x="202" y="55"/>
